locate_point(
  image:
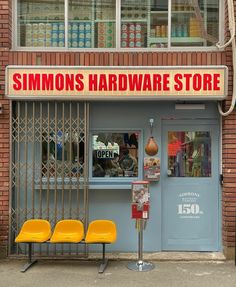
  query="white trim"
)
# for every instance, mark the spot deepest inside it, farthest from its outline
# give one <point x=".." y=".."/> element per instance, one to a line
<point x="66" y="16"/>
<point x="15" y="47"/>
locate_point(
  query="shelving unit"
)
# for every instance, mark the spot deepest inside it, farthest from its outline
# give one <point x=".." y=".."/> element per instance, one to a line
<point x="93" y="24"/>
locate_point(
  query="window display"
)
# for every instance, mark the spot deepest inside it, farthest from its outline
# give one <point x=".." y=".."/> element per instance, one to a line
<point x="189" y="154"/>
<point x="115" y="154"/>
<point x="94" y="24"/>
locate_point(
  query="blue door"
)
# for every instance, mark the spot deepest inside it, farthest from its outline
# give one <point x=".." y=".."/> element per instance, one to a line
<point x="190" y="185"/>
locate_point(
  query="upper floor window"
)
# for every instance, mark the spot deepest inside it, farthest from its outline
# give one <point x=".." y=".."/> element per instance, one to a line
<point x="126" y="24"/>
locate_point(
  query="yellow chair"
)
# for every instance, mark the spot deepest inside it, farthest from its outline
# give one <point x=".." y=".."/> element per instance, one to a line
<point x="68" y="231"/>
<point x="33" y="231"/>
<point x="104" y="232"/>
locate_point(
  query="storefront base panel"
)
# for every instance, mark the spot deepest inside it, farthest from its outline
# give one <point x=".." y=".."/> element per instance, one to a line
<point x="229" y="252"/>
<point x="3" y="252"/>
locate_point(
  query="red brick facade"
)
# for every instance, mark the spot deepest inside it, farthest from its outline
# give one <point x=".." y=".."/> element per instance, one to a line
<point x="117" y="59"/>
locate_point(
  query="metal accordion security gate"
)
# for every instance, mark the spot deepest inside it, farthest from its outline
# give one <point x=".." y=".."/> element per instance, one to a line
<point x="49" y="168"/>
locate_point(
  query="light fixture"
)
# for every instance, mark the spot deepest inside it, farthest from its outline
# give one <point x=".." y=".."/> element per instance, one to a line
<point x="190" y="106"/>
<point x="151" y="147"/>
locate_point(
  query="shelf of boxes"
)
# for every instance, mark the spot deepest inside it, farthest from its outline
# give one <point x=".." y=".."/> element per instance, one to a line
<point x="133" y="35"/>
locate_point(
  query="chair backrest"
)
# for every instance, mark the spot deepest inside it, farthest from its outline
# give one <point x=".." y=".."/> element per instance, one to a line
<point x="68" y="230"/>
<point x="36" y="226"/>
<point x="101" y="226"/>
<point x="34" y="230"/>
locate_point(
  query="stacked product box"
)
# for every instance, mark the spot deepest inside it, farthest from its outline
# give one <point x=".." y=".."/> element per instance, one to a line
<point x="87" y="35"/>
<point x="28" y="35"/>
<point x="106" y="36"/>
<point x="55" y="34"/>
<point x="41" y="35"/>
<point x="61" y="35"/>
<point x="35" y="34"/>
<point x="194" y="28"/>
<point x="132" y="35"/>
<point x="80" y="35"/>
<point x="48" y="35"/>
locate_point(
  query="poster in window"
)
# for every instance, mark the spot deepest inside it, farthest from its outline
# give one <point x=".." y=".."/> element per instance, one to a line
<point x="152" y="168"/>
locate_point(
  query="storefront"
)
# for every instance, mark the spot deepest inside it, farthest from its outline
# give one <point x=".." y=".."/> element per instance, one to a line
<point x="77" y="149"/>
<point x="87" y="83"/>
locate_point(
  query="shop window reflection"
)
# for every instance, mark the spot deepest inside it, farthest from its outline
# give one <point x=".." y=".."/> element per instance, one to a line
<point x="64" y="152"/>
<point x="189" y="154"/>
<point x="115" y="154"/>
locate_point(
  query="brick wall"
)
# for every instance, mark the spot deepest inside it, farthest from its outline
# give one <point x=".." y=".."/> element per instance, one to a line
<point x="5" y="45"/>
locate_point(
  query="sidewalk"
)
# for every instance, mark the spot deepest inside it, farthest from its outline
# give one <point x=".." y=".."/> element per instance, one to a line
<point x="60" y="273"/>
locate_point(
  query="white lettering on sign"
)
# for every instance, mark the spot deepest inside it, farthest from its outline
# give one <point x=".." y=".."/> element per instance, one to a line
<point x="104" y="153"/>
<point x="189" y="208"/>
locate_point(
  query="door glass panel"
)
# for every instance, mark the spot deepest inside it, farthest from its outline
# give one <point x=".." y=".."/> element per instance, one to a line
<point x="189" y="154"/>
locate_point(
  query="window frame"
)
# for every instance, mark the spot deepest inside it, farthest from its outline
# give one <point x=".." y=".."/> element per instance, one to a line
<point x="118" y="47"/>
<point x="117" y="181"/>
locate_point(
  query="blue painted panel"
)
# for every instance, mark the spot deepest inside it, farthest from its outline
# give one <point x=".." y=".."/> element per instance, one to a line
<point x="114" y="203"/>
<point x="190" y="206"/>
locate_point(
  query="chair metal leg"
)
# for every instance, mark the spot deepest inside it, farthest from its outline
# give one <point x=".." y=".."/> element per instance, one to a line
<point x="103" y="266"/>
<point x="30" y="262"/>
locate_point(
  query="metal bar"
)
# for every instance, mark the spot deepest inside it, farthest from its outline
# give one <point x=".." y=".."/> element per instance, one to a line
<point x="48" y="166"/>
<point x="18" y="211"/>
<point x="48" y="160"/>
<point x="33" y="164"/>
<point x="86" y="174"/>
<point x="30" y="262"/>
<point x="55" y="172"/>
<point x="40" y="163"/>
<point x="70" y="159"/>
<point x="26" y="160"/>
<point x="41" y="157"/>
<point x="78" y="165"/>
<point x="140" y="240"/>
<point x="11" y="235"/>
<point x="63" y="169"/>
<point x="70" y="164"/>
<point x="104" y="260"/>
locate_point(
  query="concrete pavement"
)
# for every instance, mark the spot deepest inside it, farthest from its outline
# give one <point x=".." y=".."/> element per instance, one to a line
<point x="61" y="273"/>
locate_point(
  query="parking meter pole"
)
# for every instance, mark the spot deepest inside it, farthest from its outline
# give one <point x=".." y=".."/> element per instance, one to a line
<point x="140" y="265"/>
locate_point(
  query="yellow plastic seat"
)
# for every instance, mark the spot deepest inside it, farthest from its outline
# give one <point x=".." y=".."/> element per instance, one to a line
<point x="34" y="231"/>
<point x="101" y="231"/>
<point x="68" y="231"/>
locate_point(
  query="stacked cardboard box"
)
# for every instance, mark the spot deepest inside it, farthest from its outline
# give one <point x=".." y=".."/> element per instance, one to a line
<point x="132" y="35"/>
<point x="79" y="35"/>
<point x="106" y="35"/>
<point x="194" y="27"/>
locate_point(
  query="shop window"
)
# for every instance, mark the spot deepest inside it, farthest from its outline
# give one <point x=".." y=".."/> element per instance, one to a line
<point x="115" y="154"/>
<point x="62" y="155"/>
<point x="96" y="24"/>
<point x="41" y="23"/>
<point x="189" y="154"/>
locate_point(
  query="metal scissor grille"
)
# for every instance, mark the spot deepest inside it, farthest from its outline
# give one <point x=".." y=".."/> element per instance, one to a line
<point x="49" y="167"/>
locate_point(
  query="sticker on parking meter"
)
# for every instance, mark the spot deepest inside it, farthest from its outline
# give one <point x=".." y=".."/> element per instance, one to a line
<point x="189" y="206"/>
